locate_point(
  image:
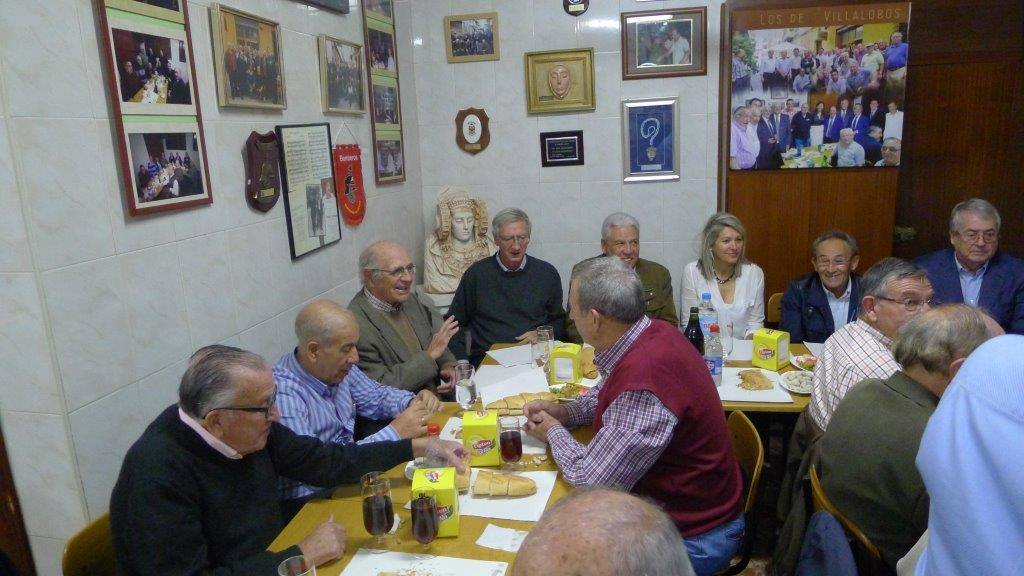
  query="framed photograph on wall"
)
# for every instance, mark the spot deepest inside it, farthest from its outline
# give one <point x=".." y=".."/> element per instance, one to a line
<point x="307" y="173"/>
<point x="388" y="157"/>
<point x="386" y="111"/>
<point x="650" y="143"/>
<point x="168" y="165"/>
<point x="662" y="43"/>
<point x="560" y="81"/>
<point x="339" y="6"/>
<point x="247" y="59"/>
<point x="172" y="10"/>
<point x="381" y="10"/>
<point x="472" y="37"/>
<point x="341" y="76"/>
<point x="152" y="68"/>
<point x="380" y="43"/>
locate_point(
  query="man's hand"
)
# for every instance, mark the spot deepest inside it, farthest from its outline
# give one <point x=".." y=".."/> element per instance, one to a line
<point x="324" y="544"/>
<point x="527" y="337"/>
<point x="412" y="422"/>
<point x="448" y="377"/>
<point x="446" y="451"/>
<point x="539" y="423"/>
<point x="439" y="341"/>
<point x="429" y="401"/>
<point x="553" y="409"/>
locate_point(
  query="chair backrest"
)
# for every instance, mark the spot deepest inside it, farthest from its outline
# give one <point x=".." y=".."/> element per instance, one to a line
<point x="90" y="552"/>
<point x="773" y="313"/>
<point x="746" y="443"/>
<point x="820" y="501"/>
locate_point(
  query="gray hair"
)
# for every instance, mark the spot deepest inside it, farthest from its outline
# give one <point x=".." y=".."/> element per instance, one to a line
<point x="892" y="139"/>
<point x="876" y="280"/>
<point x="712" y="228"/>
<point x="618" y="220"/>
<point x="318" y="321"/>
<point x="368" y="261"/>
<point x="846" y="131"/>
<point x="835" y="235"/>
<point x="975" y="206"/>
<point x="935" y="339"/>
<point x="610" y="287"/>
<point x="508" y="216"/>
<point x="209" y="381"/>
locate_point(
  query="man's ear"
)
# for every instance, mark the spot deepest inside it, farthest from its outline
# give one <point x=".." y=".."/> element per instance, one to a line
<point x="955" y="365"/>
<point x="214" y="423"/>
<point x="867" y="304"/>
<point x="312" y="349"/>
<point x="854" y="262"/>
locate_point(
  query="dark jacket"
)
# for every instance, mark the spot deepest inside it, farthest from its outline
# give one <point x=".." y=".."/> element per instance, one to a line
<point x="805" y="312"/>
<point x="1002" y="290"/>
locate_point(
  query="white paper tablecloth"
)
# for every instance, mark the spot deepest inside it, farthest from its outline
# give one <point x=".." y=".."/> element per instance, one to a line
<point x="528" y="508"/>
<point x="730" y="390"/>
<point x="528" y="380"/>
<point x="742" y="350"/>
<point x="367" y="563"/>
<point x="513" y="355"/>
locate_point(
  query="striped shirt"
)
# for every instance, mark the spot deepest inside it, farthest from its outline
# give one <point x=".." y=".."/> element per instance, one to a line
<point x="853" y="353"/>
<point x="636" y="428"/>
<point x="311" y="408"/>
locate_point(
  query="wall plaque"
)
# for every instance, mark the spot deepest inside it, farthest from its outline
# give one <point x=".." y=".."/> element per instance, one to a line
<point x="472" y="132"/>
<point x="262" y="175"/>
<point x="575" y="7"/>
<point x="561" y="148"/>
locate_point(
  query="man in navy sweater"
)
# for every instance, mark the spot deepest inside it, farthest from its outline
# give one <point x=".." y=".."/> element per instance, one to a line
<point x="817" y="304"/>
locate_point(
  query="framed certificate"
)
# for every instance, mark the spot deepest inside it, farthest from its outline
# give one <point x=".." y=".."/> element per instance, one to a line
<point x="561" y="148"/>
<point x="311" y="208"/>
<point x="650" y="140"/>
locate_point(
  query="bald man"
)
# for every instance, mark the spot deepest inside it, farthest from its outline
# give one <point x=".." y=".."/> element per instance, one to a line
<point x="596" y="531"/>
<point x="320" y="390"/>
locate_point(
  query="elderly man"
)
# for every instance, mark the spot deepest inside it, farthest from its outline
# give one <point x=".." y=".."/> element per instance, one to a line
<point x="505" y="298"/>
<point x="890" y="152"/>
<point x="620" y="237"/>
<point x="656" y="415"/>
<point x="848" y="153"/>
<point x="743" y="146"/>
<point x="197" y="493"/>
<point x="974" y="271"/>
<point x="597" y="531"/>
<point x="321" y="390"/>
<point x="868" y="451"/>
<point x="402" y="341"/>
<point x="817" y="304"/>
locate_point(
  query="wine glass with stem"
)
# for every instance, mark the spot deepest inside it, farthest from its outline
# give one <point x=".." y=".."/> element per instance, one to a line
<point x="378" y="510"/>
<point x="424" y="520"/>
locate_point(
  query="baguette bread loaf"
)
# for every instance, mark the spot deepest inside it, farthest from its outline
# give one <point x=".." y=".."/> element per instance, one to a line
<point x="498" y="485"/>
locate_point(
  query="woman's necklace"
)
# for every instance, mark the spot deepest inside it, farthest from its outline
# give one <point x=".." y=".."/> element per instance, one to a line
<point x="721" y="281"/>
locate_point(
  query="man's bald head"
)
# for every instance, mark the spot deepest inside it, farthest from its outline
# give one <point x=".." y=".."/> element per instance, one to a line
<point x="321" y="321"/>
<point x="328" y="334"/>
<point x="603" y="532"/>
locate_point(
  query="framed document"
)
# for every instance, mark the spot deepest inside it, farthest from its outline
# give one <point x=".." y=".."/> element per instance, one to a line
<point x="311" y="208"/>
<point x="561" y="148"/>
<point x="662" y="43"/>
<point x="650" y="140"/>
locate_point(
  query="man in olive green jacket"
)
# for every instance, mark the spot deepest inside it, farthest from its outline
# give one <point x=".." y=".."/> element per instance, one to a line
<point x="620" y="236"/>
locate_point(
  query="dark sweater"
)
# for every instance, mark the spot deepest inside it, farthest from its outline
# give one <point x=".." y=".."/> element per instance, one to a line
<point x="182" y="508"/>
<point x="497" y="306"/>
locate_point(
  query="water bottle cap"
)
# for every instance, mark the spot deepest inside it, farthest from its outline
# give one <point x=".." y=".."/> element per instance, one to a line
<point x="713" y="328"/>
<point x="433" y="429"/>
<point x="705" y="296"/>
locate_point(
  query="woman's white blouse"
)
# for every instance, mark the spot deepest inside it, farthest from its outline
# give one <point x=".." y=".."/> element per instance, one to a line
<point x="746" y="312"/>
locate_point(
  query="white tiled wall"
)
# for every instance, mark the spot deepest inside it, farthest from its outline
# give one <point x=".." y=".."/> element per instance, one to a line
<point x="99" y="311"/>
<point x="566" y="204"/>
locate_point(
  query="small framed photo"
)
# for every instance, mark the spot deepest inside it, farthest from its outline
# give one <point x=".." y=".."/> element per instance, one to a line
<point x="152" y="68"/>
<point x="382" y="10"/>
<point x="386" y="111"/>
<point x="380" y="41"/>
<point x="307" y="173"/>
<point x="339" y="6"/>
<point x="472" y="37"/>
<point x="341" y="76"/>
<point x="247" y="59"/>
<point x="167" y="166"/>
<point x="561" y="148"/>
<point x="560" y="81"/>
<point x="661" y="43"/>
<point x="172" y="10"/>
<point x="388" y="162"/>
<point x="650" y="140"/>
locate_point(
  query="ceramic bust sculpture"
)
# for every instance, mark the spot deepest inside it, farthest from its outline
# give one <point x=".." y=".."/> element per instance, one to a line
<point x="459" y="240"/>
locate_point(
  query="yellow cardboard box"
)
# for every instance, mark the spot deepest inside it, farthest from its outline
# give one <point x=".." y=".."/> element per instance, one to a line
<point x="439" y="483"/>
<point x="565" y="364"/>
<point x="480" y="437"/>
<point x="771" y="349"/>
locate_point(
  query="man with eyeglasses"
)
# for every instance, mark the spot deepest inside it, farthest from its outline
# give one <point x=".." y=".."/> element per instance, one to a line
<point x="197" y="492"/>
<point x="890" y="152"/>
<point x="974" y="271"/>
<point x="505" y="298"/>
<point x="403" y="341"/>
<point x="322" y="392"/>
<point x="815" y="305"/>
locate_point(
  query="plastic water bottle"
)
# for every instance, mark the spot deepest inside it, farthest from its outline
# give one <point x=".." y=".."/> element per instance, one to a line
<point x="707" y="314"/>
<point x="713" y="356"/>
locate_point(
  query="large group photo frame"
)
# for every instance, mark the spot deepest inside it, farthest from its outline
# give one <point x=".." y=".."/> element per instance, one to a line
<point x="472" y="37"/>
<point x="560" y="81"/>
<point x="650" y="132"/>
<point x="341" y="76"/>
<point x="247" y="59"/>
<point x="664" y="43"/>
<point x="817" y="87"/>
<point x="307" y="177"/>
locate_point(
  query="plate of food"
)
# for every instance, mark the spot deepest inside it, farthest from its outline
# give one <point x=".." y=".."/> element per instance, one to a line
<point x="797" y="381"/>
<point x="805" y="362"/>
<point x="568" y="391"/>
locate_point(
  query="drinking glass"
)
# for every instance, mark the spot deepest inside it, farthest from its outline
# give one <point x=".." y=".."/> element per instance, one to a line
<point x="378" y="511"/>
<point x="541" y="353"/>
<point x="465" y="385"/>
<point x="296" y="566"/>
<point x="510" y="440"/>
<point x="546" y="333"/>
<point x="725" y="334"/>
<point x="424" y="520"/>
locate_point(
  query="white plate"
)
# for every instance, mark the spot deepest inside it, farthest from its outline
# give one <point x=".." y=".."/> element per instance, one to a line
<point x="792" y="360"/>
<point x="788" y="379"/>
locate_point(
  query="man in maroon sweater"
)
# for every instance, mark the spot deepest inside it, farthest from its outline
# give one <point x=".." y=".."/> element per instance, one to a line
<point x="659" y="428"/>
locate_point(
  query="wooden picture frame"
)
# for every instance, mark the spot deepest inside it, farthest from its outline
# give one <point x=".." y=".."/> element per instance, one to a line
<point x="650" y="139"/>
<point x="173" y="10"/>
<point x="307" y="185"/>
<point x="338" y="6"/>
<point x="232" y="55"/>
<point x="382" y="10"/>
<point x="472" y="37"/>
<point x="560" y="81"/>
<point x="169" y="161"/>
<point x="381" y="50"/>
<point x="664" y="43"/>
<point x="151" y="66"/>
<point x="386" y="112"/>
<point x="341" y="76"/>
<point x="389" y="157"/>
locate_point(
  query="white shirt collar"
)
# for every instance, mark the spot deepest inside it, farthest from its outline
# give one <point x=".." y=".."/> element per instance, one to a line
<point x="497" y="256"/>
<point x="210" y="439"/>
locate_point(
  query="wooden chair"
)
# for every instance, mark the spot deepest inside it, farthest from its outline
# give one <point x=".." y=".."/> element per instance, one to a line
<point x="869" y="559"/>
<point x="90" y="552"/>
<point x="773" y="312"/>
<point x="746" y="443"/>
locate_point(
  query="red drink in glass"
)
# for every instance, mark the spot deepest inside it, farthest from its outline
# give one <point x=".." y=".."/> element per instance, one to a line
<point x="511" y="442"/>
<point x="378" y="514"/>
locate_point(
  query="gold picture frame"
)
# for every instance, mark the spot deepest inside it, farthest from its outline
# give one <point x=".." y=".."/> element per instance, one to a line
<point x="472" y="37"/>
<point x="254" y="37"/>
<point x="341" y="76"/>
<point x="560" y="81"/>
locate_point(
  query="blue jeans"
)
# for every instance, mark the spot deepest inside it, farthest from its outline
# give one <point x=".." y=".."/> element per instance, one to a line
<point x="711" y="551"/>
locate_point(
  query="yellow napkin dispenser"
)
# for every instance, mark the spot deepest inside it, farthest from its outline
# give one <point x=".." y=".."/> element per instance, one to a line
<point x="771" y="349"/>
<point x="480" y="437"/>
<point x="564" y="364"/>
<point x="439" y="483"/>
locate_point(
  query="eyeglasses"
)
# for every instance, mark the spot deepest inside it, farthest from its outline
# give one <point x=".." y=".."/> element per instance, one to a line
<point x="514" y="239"/>
<point x="913" y="305"/>
<point x="890" y="149"/>
<point x="398" y="272"/>
<point x="972" y="236"/>
<point x="265" y="410"/>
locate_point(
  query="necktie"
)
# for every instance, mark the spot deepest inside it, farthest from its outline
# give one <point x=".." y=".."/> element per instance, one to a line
<point x="855" y="119"/>
<point x="828" y="129"/>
